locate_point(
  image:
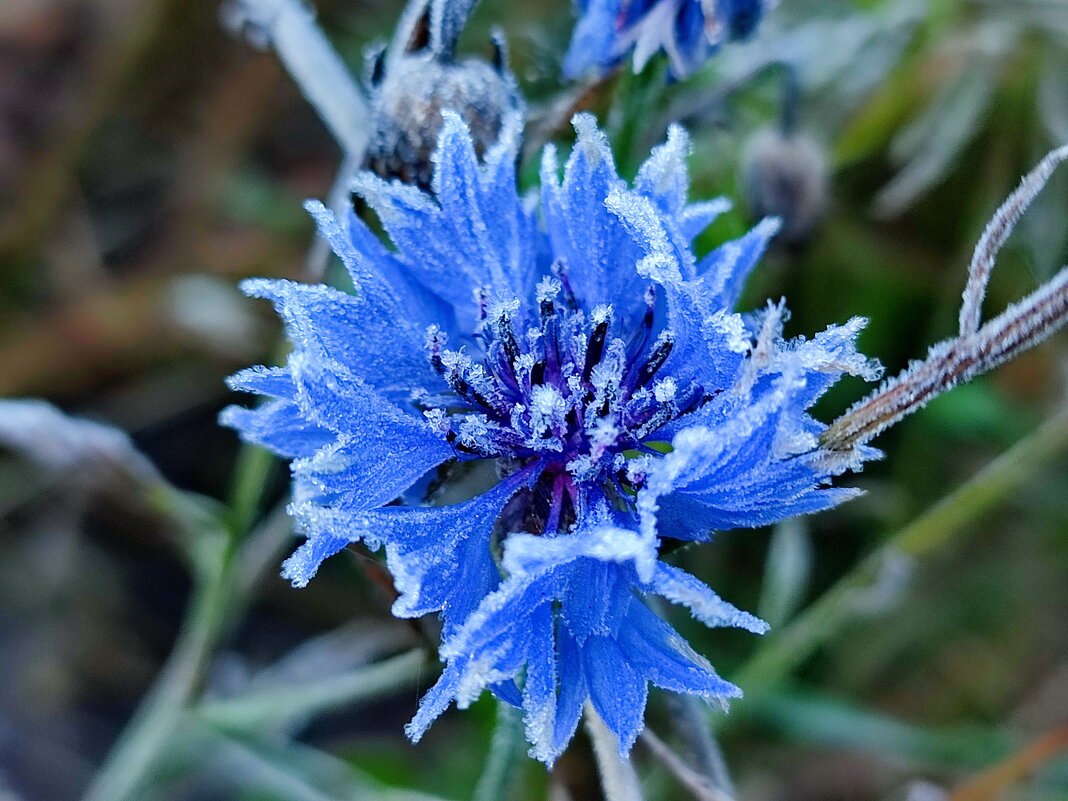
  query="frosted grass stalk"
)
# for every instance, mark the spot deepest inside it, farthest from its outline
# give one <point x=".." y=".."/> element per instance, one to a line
<point x="976" y="349"/>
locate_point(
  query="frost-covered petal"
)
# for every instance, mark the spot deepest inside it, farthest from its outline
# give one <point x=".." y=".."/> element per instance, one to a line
<point x="659" y="653"/>
<point x="440" y="556"/>
<point x="709" y="341"/>
<point x="526" y="553"/>
<point x="593" y="40"/>
<point x="540" y="682"/>
<point x="663" y="178"/>
<point x="474" y="233"/>
<point x="278" y="426"/>
<point x="606" y="647"/>
<point x="687" y="31"/>
<point x="617" y="689"/>
<point x="585" y="236"/>
<point x="680" y="587"/>
<point x="355" y="334"/>
<point x="303" y="564"/>
<point x="723" y="271"/>
<point x="434" y="702"/>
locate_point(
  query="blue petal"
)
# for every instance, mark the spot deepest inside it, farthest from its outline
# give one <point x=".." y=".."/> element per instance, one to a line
<point x="440" y="556"/>
<point x="741" y="17"/>
<point x="380" y="278"/>
<point x="698" y="216"/>
<point x="573" y="691"/>
<point x="596" y="601"/>
<point x="476" y="235"/>
<point x="663" y="178"/>
<point x="278" y="426"/>
<point x="274" y="382"/>
<point x="301" y="567"/>
<point x="708" y="341"/>
<point x="591" y="241"/>
<point x="436" y="701"/>
<point x="724" y="270"/>
<point x="658" y="652"/>
<point x="508" y="692"/>
<point x="680" y="587"/>
<point x="539" y="688"/>
<point x="593" y="39"/>
<point x="617" y="690"/>
<point x="357" y="336"/>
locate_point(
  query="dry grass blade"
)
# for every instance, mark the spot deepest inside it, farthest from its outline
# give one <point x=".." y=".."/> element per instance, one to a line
<point x="991" y="784"/>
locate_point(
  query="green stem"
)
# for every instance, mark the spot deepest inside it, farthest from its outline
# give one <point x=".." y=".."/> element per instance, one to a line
<point x="253" y="468"/>
<point x="133" y="757"/>
<point x="506" y="747"/>
<point x="933" y="530"/>
<point x="273" y="708"/>
<point x="222" y="581"/>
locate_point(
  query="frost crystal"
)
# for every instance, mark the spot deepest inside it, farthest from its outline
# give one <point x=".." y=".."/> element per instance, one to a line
<point x="571" y="353"/>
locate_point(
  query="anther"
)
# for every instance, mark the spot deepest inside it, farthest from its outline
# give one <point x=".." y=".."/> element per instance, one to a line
<point x="650" y="306"/>
<point x="559" y="269"/>
<point x="506" y="336"/>
<point x="656" y="360"/>
<point x="595" y="349"/>
<point x="435" y="342"/>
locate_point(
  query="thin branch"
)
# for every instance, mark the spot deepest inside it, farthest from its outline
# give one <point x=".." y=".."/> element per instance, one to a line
<point x="691" y="725"/>
<point x="975" y="350"/>
<point x="955" y="361"/>
<point x="699" y="785"/>
<point x="997" y="233"/>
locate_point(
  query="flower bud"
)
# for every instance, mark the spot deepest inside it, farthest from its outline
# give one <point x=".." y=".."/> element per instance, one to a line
<point x="785" y="175"/>
<point x="408" y="95"/>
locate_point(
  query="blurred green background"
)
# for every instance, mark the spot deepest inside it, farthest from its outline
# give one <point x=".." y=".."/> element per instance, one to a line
<point x="148" y="161"/>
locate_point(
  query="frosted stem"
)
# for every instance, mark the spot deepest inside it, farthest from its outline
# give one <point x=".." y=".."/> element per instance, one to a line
<point x="698" y="785"/>
<point x="618" y="778"/>
<point x="1020" y="327"/>
<point x="976" y="349"/>
<point x="997" y="233"/>
<point x="289" y="27"/>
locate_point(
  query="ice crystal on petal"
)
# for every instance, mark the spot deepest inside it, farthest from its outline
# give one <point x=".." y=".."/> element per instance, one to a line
<point x="570" y="353"/>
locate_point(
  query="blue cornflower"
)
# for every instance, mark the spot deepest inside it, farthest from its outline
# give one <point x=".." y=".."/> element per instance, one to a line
<point x="596" y="364"/>
<point x="688" y="31"/>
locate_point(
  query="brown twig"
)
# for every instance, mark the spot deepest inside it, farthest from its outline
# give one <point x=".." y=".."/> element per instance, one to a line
<point x="992" y="783"/>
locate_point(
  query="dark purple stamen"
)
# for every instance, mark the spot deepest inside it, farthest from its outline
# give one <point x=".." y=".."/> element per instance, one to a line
<point x="570" y="396"/>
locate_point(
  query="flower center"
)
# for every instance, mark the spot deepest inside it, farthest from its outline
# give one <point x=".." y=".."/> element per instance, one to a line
<point x="562" y="388"/>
